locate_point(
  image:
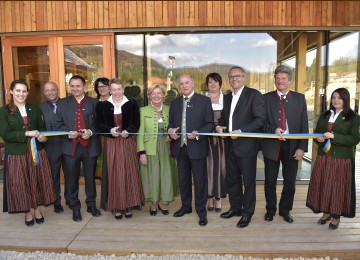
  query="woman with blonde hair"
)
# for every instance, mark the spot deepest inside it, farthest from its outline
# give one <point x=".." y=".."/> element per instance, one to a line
<point x="120" y="117"/>
<point x="158" y="168"/>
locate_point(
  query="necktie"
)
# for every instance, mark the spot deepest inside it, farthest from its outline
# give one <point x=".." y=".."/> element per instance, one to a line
<point x="282" y="113"/>
<point x="54" y="107"/>
<point x="183" y="122"/>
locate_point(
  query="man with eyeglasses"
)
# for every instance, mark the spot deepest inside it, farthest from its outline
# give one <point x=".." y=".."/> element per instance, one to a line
<point x="243" y="111"/>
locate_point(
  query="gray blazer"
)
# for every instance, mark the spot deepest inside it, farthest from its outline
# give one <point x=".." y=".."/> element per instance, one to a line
<point x="65" y="121"/>
<point x="50" y="120"/>
<point x="296" y="117"/>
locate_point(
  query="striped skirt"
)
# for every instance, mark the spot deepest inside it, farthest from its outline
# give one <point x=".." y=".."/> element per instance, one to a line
<point x="28" y="186"/>
<point x="332" y="186"/>
<point x="124" y="181"/>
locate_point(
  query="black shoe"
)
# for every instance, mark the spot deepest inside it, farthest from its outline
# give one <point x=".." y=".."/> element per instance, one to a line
<point x="118" y="217"/>
<point x="334" y="226"/>
<point x="77" y="215"/>
<point x="323" y="221"/>
<point x="58" y="208"/>
<point x="163" y="211"/>
<point x="117" y="214"/>
<point x="29" y="223"/>
<point x="40" y="220"/>
<point x="128" y="213"/>
<point x="230" y="214"/>
<point x="269" y="217"/>
<point x="181" y="213"/>
<point x="203" y="221"/>
<point x="94" y="211"/>
<point x="153" y="212"/>
<point x="287" y="217"/>
<point x="244" y="222"/>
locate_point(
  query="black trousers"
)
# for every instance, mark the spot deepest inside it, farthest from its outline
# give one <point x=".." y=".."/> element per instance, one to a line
<point x="55" y="157"/>
<point x="289" y="172"/>
<point x="72" y="167"/>
<point x="241" y="171"/>
<point x="197" y="168"/>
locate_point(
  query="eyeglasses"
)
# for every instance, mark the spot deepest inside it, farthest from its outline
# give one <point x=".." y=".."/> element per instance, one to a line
<point x="102" y="86"/>
<point x="236" y="76"/>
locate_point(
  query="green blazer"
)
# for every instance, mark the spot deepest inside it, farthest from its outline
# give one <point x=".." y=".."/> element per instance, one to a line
<point x="12" y="129"/>
<point x="149" y="124"/>
<point x="346" y="136"/>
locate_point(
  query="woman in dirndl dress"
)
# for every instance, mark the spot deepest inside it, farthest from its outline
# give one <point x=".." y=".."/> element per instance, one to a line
<point x="120" y="117"/>
<point x="216" y="169"/>
<point x="26" y="186"/>
<point x="332" y="184"/>
<point x="157" y="167"/>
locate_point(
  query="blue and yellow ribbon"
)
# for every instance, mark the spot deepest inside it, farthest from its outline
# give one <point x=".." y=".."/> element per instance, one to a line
<point x="33" y="148"/>
<point x="326" y="148"/>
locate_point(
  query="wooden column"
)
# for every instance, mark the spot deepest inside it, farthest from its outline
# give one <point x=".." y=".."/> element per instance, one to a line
<point x="319" y="76"/>
<point x="300" y="68"/>
<point x="319" y="82"/>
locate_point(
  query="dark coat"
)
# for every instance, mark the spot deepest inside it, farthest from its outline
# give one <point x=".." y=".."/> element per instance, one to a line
<point x="65" y="121"/>
<point x="199" y="117"/>
<point x="105" y="117"/>
<point x="346" y="136"/>
<point x="297" y="120"/>
<point x="12" y="128"/>
<point x="249" y="116"/>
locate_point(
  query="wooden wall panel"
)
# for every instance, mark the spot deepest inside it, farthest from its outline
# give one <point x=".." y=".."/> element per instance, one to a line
<point x="32" y="16"/>
<point x="18" y="13"/>
<point x="158" y="14"/>
<point x="172" y="14"/>
<point x="121" y="15"/>
<point x="228" y="13"/>
<point x="72" y="21"/>
<point x="149" y="14"/>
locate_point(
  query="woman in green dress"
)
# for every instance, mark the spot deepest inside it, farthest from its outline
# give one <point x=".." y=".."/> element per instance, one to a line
<point x="158" y="168"/>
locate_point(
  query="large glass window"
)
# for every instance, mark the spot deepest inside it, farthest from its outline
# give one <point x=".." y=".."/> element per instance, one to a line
<point x="168" y="56"/>
<point x="130" y="65"/>
<point x="200" y="54"/>
<point x="343" y="62"/>
<point x="31" y="64"/>
<point x="84" y="60"/>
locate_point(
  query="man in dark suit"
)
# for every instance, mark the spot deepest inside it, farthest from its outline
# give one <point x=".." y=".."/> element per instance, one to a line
<point x="192" y="114"/>
<point x="53" y="145"/>
<point x="243" y="111"/>
<point x="286" y="112"/>
<point x="76" y="114"/>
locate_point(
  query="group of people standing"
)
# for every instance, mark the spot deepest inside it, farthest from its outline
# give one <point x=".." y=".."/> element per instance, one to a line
<point x="152" y="153"/>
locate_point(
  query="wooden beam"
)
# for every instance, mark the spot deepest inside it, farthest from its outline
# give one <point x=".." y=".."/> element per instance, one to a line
<point x="318" y="75"/>
<point x="300" y="68"/>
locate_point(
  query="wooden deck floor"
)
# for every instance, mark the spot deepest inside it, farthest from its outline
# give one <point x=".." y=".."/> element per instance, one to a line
<point x="161" y="234"/>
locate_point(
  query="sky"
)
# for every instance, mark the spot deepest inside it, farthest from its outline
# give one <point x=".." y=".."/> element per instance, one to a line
<point x="250" y="50"/>
<point x="253" y="51"/>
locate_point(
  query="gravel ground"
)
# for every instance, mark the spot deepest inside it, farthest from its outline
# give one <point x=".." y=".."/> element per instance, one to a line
<point x="45" y="255"/>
